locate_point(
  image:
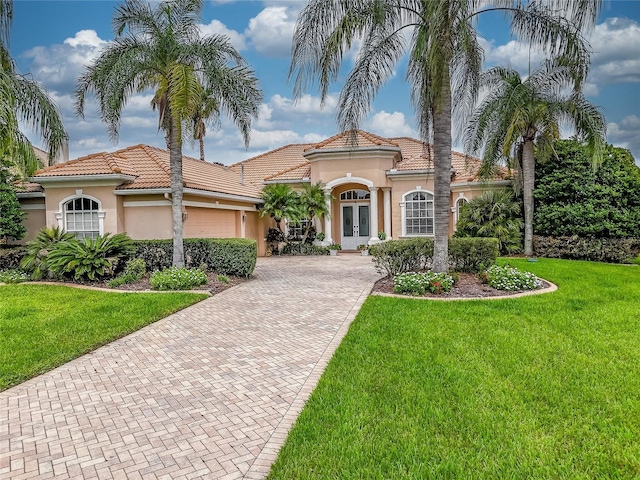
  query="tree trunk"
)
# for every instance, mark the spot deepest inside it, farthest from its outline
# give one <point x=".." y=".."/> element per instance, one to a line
<point x="201" y="140"/>
<point x="442" y="178"/>
<point x="175" y="160"/>
<point x="528" y="181"/>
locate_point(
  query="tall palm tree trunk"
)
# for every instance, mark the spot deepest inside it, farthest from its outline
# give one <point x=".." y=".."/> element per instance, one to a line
<point x="175" y="160"/>
<point x="442" y="178"/>
<point x="201" y="140"/>
<point x="528" y="181"/>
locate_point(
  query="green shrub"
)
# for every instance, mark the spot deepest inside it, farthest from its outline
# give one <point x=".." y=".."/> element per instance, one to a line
<point x="223" y="279"/>
<point x="36" y="259"/>
<point x="91" y="258"/>
<point x="177" y="278"/>
<point x="413" y="283"/>
<point x="472" y="255"/>
<point x="10" y="257"/>
<point x="415" y="254"/>
<point x="228" y="256"/>
<point x="13" y="276"/>
<point x="493" y="214"/>
<point x="303" y="249"/>
<point x="611" y="250"/>
<point x="134" y="270"/>
<point x="399" y="256"/>
<point x="511" y="278"/>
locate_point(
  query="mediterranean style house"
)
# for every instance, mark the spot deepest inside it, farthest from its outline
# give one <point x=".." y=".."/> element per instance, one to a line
<point x="380" y="185"/>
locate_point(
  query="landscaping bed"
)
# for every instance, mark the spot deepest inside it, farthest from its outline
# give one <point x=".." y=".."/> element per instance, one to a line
<point x="468" y="285"/>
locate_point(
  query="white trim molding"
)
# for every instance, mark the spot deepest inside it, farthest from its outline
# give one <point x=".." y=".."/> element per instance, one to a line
<point x="60" y="213"/>
<point x="336" y="182"/>
<point x="403" y="213"/>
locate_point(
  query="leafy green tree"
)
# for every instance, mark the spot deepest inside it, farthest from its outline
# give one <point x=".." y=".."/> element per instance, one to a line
<point x="518" y="117"/>
<point x="313" y="201"/>
<point x="23" y="100"/>
<point x="444" y="55"/>
<point x="11" y="215"/>
<point x="493" y="214"/>
<point x="158" y="46"/>
<point x="573" y="198"/>
<point x="280" y="202"/>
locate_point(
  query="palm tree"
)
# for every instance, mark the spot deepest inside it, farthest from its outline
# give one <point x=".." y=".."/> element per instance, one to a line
<point x="444" y="56"/>
<point x="313" y="201"/>
<point x="519" y="117"/>
<point x="158" y="46"/>
<point x="23" y="100"/>
<point x="207" y="108"/>
<point x="280" y="202"/>
<point x="494" y="214"/>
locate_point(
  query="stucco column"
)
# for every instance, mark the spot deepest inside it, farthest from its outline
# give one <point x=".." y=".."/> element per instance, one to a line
<point x="386" y="198"/>
<point x="374" y="216"/>
<point x="327" y="218"/>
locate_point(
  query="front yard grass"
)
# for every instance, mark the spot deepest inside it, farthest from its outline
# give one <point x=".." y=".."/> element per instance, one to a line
<point x="544" y="386"/>
<point x="42" y="327"/>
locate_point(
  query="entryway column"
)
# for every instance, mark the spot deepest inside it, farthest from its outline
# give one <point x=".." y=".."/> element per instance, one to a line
<point x="327" y="218"/>
<point x="386" y="200"/>
<point x="374" y="215"/>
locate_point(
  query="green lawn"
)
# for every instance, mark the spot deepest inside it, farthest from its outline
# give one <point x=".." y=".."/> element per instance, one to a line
<point x="42" y="327"/>
<point x="544" y="386"/>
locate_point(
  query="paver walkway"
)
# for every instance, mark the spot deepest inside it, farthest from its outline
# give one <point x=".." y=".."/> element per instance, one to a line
<point x="209" y="392"/>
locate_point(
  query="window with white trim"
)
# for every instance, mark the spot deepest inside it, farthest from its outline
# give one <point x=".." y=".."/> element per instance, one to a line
<point x="355" y="195"/>
<point x="296" y="230"/>
<point x="459" y="203"/>
<point x="81" y="217"/>
<point x="418" y="213"/>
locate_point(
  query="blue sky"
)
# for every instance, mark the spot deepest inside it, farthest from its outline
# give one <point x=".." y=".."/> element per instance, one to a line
<point x="52" y="40"/>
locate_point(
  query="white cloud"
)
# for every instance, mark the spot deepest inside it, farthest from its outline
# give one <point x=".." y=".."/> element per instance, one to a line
<point x="237" y="39"/>
<point x="271" y="31"/>
<point x="390" y="125"/>
<point x="626" y="134"/>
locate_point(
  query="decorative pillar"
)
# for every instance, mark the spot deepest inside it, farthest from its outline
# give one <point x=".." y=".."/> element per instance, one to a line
<point x="327" y="218"/>
<point x="386" y="195"/>
<point x="374" y="216"/>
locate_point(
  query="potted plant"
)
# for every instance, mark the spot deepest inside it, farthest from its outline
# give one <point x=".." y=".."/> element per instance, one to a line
<point x="382" y="236"/>
<point x="364" y="249"/>
<point x="334" y="247"/>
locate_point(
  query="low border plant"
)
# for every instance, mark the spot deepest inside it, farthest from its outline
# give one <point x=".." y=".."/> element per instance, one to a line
<point x="506" y="277"/>
<point x="418" y="283"/>
<point x="177" y="278"/>
<point x="134" y="270"/>
<point x="13" y="276"/>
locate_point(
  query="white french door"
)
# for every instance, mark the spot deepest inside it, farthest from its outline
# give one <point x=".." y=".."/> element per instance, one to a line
<point x="354" y="218"/>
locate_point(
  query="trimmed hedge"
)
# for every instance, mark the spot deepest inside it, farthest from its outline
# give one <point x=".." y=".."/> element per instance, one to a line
<point x="415" y="254"/>
<point x="472" y="254"/>
<point x="10" y="257"/>
<point x="610" y="250"/>
<point x="228" y="256"/>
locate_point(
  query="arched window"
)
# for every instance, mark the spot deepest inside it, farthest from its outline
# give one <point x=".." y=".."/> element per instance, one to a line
<point x="459" y="203"/>
<point x="81" y="217"/>
<point x="355" y="195"/>
<point x="417" y="218"/>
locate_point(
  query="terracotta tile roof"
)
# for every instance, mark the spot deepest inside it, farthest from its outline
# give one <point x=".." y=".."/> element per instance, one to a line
<point x="345" y="140"/>
<point x="150" y="167"/>
<point x="297" y="172"/>
<point x="256" y="169"/>
<point x="28" y="187"/>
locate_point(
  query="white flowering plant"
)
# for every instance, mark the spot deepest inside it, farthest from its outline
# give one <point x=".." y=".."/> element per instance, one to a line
<point x="418" y="283"/>
<point x="177" y="278"/>
<point x="13" y="276"/>
<point x="511" y="279"/>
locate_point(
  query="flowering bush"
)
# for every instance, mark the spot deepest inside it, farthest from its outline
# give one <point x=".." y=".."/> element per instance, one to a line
<point x="177" y="278"/>
<point x="13" y="276"/>
<point x="510" y="278"/>
<point x="413" y="283"/>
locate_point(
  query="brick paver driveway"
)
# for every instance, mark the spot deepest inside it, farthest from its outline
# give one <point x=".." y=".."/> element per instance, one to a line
<point x="209" y="392"/>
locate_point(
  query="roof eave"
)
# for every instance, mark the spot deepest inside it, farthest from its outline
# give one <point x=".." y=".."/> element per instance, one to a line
<point x="101" y="178"/>
<point x="299" y="180"/>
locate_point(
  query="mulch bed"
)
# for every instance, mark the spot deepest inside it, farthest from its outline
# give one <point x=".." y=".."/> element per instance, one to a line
<point x="467" y="286"/>
<point x="212" y="287"/>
